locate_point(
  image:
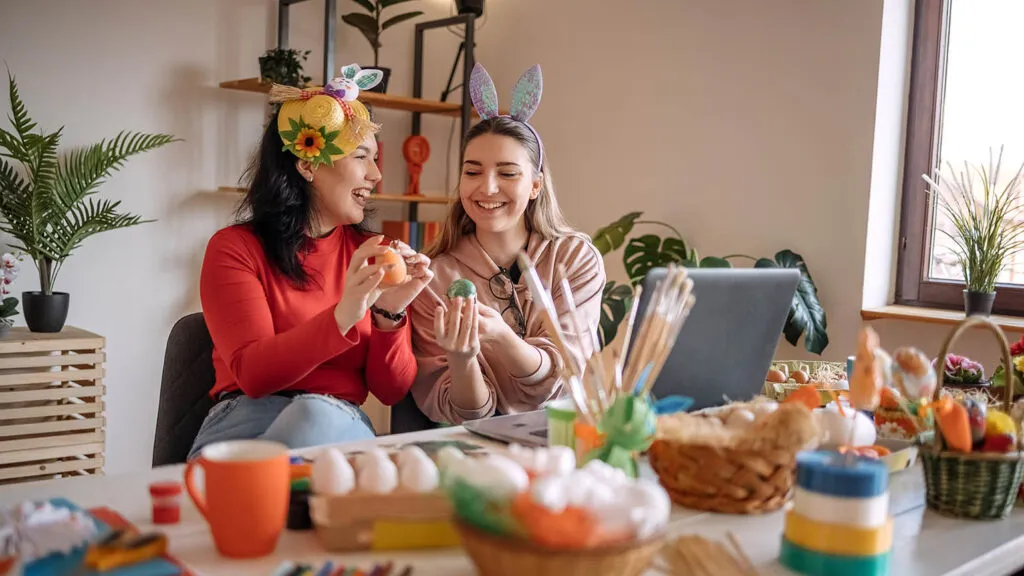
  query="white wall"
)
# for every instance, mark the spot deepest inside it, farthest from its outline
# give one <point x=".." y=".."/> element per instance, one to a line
<point x="748" y="125"/>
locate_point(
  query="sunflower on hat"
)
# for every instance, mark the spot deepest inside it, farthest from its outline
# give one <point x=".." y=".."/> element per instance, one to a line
<point x="321" y="125"/>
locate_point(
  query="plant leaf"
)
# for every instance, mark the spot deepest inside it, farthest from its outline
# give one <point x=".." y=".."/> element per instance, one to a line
<point x="650" y="251"/>
<point x="612" y="236"/>
<point x="366" y="4"/>
<point x="19" y="114"/>
<point x="714" y="262"/>
<point x="615" y="302"/>
<point x="398" y="19"/>
<point x="806" y="316"/>
<point x="365" y="23"/>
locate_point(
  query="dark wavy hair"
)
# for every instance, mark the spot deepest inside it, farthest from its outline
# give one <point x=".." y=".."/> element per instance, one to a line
<point x="278" y="206"/>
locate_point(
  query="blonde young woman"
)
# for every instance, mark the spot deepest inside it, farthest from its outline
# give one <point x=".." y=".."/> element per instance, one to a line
<point x="490" y="354"/>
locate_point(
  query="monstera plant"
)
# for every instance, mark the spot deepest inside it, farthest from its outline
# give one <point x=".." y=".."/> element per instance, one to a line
<point x="641" y="253"/>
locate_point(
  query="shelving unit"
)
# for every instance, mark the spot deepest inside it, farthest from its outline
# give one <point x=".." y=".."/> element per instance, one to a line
<point x="406" y="198"/>
<point x="416" y="105"/>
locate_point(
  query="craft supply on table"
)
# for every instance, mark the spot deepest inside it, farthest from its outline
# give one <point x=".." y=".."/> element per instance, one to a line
<point x="166" y="502"/>
<point x="615" y="417"/>
<point x="535" y="510"/>
<point x="340" y="568"/>
<point x="380" y="501"/>
<point x="839" y="523"/>
<point x="736" y="459"/>
<point x="698" y="556"/>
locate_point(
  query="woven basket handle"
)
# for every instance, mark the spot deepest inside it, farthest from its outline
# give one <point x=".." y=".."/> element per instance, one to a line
<point x="963" y="326"/>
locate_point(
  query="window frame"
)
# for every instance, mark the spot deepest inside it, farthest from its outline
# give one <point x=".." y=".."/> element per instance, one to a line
<point x="913" y="288"/>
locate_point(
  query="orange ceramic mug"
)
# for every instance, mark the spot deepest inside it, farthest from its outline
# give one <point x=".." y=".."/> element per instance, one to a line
<point x="246" y="494"/>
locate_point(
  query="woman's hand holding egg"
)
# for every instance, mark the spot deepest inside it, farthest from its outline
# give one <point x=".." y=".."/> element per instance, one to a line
<point x="410" y="274"/>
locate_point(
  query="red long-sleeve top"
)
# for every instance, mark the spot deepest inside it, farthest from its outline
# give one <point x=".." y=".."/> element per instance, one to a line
<point x="269" y="336"/>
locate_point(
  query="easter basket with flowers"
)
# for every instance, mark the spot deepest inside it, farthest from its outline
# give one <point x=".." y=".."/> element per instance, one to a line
<point x="974" y="466"/>
<point x="534" y="512"/>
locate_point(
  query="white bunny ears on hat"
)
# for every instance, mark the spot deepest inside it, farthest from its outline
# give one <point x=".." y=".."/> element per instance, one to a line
<point x="525" y="98"/>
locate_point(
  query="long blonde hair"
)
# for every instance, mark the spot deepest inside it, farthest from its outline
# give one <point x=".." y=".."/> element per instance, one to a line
<point x="542" y="215"/>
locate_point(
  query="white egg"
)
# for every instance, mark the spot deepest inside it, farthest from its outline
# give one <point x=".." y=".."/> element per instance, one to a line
<point x="417" y="472"/>
<point x="762" y="409"/>
<point x="497" y="475"/>
<point x="370" y="456"/>
<point x="740" y="419"/>
<point x="376" y="475"/>
<point x="606" y="473"/>
<point x="552" y="492"/>
<point x="853" y="429"/>
<point x="561" y="460"/>
<point x="331" y="473"/>
<point x="409" y="452"/>
<point x="447" y="455"/>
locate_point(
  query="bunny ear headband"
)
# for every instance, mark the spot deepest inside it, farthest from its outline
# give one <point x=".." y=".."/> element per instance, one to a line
<point x="321" y="125"/>
<point x="525" y="98"/>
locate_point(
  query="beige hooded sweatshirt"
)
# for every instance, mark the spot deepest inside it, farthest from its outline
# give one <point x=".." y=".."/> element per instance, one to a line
<point x="506" y="394"/>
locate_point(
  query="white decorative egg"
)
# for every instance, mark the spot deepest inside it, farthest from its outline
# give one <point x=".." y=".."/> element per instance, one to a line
<point x="740" y="419"/>
<point x="331" y="474"/>
<point x="417" y="472"/>
<point x="376" y="473"/>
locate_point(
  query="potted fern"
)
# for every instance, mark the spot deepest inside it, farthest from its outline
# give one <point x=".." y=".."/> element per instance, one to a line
<point x="987" y="225"/>
<point x="372" y="27"/>
<point x="47" y="206"/>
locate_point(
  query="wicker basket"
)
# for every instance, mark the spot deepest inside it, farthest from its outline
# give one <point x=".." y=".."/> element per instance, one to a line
<point x="981" y="486"/>
<point x="505" y="556"/>
<point x="779" y="392"/>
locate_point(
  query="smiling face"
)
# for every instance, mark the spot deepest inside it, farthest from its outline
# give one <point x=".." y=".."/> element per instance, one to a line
<point x="340" y="192"/>
<point x="498" y="181"/>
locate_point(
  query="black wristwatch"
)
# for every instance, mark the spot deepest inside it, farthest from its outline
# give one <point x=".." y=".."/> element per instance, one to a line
<point x="393" y="316"/>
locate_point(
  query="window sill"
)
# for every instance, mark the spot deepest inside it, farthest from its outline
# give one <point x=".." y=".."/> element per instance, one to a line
<point x="935" y="316"/>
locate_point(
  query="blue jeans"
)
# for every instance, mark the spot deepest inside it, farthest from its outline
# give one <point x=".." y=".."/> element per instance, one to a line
<point x="305" y="420"/>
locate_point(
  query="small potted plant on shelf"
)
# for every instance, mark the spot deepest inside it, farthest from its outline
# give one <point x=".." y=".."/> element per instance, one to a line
<point x="987" y="225"/>
<point x="284" y="66"/>
<point x="9" y="269"/>
<point x="372" y="27"/>
<point x="50" y="210"/>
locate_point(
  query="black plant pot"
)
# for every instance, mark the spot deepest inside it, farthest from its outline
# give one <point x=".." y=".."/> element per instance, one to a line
<point x="45" y="312"/>
<point x="383" y="86"/>
<point x="978" y="303"/>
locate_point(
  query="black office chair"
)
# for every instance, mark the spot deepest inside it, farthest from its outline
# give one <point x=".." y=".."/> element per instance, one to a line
<point x="188" y="376"/>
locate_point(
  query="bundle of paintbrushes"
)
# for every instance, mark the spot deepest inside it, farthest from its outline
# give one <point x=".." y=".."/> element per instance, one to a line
<point x="616" y="401"/>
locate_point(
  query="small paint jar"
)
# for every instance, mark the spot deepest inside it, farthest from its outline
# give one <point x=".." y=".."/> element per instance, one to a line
<point x="166" y="498"/>
<point x="561" y="415"/>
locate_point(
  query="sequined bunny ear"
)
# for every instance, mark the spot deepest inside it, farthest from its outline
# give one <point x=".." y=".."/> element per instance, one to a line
<point x="482" y="92"/>
<point x="367" y="79"/>
<point x="526" y="94"/>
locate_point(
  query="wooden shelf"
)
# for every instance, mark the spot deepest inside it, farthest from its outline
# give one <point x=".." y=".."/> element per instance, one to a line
<point x="407" y="198"/>
<point x="376" y="99"/>
<point x="935" y="316"/>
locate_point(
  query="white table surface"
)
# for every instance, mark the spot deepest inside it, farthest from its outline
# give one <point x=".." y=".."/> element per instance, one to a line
<point x="926" y="544"/>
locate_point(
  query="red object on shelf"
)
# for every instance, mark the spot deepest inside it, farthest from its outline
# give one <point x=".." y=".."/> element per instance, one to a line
<point x="166" y="502"/>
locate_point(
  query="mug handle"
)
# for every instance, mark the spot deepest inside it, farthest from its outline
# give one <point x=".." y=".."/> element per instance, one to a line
<point x="197" y="499"/>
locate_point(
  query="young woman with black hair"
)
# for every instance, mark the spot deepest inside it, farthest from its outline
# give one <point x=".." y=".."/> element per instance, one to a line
<point x="303" y="329"/>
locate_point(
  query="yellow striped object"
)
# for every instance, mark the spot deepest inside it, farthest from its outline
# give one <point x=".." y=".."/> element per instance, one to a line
<point x="837" y="539"/>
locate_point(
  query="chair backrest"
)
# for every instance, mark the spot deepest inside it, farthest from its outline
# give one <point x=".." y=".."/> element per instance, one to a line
<point x="188" y="376"/>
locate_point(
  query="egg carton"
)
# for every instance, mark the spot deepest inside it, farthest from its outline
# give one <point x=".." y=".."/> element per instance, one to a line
<point x="368" y="518"/>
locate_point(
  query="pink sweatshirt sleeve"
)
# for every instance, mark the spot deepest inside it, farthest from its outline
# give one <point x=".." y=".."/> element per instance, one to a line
<point x="432" y="388"/>
<point x="585" y="270"/>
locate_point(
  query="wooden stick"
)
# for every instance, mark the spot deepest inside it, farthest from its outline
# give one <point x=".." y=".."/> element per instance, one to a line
<point x="627" y="336"/>
<point x="593" y="361"/>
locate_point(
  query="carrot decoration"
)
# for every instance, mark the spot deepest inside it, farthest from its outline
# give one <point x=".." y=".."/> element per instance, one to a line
<point x="806" y="395"/>
<point x="953" y="423"/>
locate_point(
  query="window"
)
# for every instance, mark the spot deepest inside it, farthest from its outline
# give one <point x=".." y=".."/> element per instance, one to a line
<point x="966" y="99"/>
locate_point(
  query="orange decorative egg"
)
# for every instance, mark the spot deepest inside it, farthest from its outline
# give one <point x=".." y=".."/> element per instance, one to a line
<point x="396" y="275"/>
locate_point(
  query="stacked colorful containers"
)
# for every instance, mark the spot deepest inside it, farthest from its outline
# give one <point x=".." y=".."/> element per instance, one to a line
<point x="839" y="523"/>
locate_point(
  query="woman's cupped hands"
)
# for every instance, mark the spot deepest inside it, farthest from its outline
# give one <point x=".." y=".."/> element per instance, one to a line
<point x="396" y="275"/>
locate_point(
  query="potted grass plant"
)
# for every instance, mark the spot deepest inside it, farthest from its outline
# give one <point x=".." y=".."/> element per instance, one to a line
<point x="372" y="25"/>
<point x="987" y="226"/>
<point x="48" y="205"/>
